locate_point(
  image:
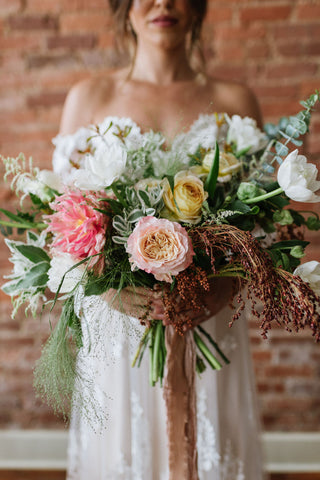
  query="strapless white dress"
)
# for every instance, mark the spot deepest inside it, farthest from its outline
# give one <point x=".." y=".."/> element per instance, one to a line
<point x="129" y="441"/>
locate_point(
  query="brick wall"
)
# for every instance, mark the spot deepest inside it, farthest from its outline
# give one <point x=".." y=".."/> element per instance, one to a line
<point x="45" y="47"/>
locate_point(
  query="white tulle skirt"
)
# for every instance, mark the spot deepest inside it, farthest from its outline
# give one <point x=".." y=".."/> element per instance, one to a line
<point x="126" y="439"/>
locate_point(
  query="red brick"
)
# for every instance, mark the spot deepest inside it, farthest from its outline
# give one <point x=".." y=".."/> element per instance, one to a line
<point x="238" y="33"/>
<point x="72" y="41"/>
<point x="15" y="42"/>
<point x="296" y="30"/>
<point x="279" y="108"/>
<point x="270" y="91"/>
<point x="230" y="52"/>
<point x="291" y="71"/>
<point x="272" y="13"/>
<point x="299" y="49"/>
<point x="33" y="22"/>
<point x="258" y="51"/>
<point x="9" y="6"/>
<point x="84" y="22"/>
<point x="219" y="14"/>
<point x="310" y="11"/>
<point x="275" y="371"/>
<point x="53" y="61"/>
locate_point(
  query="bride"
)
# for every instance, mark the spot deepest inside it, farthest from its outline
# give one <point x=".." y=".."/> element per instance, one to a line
<point x="162" y="90"/>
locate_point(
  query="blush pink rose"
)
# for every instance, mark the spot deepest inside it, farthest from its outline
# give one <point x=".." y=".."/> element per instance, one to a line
<point x="160" y="247"/>
<point x="78" y="228"/>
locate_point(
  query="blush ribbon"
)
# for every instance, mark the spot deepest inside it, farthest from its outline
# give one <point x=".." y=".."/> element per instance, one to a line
<point x="180" y="399"/>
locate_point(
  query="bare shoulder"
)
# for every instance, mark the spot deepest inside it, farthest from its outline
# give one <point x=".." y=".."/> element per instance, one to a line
<point x="84" y="98"/>
<point x="235" y="98"/>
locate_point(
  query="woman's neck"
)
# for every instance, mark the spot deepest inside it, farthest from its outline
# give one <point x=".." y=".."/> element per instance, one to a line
<point x="159" y="66"/>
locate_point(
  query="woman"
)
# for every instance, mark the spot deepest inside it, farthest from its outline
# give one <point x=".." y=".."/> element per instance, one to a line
<point x="161" y="91"/>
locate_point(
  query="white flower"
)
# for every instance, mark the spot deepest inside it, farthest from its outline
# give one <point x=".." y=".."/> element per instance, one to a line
<point x="299" y="178"/>
<point x="244" y="133"/>
<point x="115" y="130"/>
<point x="68" y="154"/>
<point x="22" y="264"/>
<point x="20" y="290"/>
<point x="102" y="168"/>
<point x="59" y="265"/>
<point x="204" y="132"/>
<point x="309" y="272"/>
<point x="50" y="179"/>
<point x="39" y="185"/>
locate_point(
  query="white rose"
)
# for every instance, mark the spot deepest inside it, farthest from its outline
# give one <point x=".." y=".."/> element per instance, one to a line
<point x="102" y="168"/>
<point x="309" y="272"/>
<point x="59" y="265"/>
<point x="67" y="153"/>
<point x="244" y="133"/>
<point x="298" y="178"/>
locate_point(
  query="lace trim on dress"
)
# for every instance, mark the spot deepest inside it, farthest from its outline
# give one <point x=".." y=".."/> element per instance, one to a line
<point x="226" y="466"/>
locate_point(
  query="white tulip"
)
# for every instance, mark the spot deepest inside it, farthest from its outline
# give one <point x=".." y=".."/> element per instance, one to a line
<point x="309" y="272"/>
<point x="298" y="178"/>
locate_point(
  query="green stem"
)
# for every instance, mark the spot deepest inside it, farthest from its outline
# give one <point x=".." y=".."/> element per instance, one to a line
<point x="215" y="364"/>
<point x="264" y="197"/>
<point x="36" y="226"/>
<point x="214" y="344"/>
<point x="156" y="348"/>
<point x="141" y="344"/>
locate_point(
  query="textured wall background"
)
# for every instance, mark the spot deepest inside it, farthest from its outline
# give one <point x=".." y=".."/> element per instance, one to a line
<point x="48" y="45"/>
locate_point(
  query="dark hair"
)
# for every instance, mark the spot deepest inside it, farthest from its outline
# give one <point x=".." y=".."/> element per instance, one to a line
<point x="121" y="8"/>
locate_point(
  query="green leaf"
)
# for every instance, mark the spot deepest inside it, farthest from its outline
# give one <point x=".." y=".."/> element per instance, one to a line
<point x="281" y="149"/>
<point x="239" y="206"/>
<point x="135" y="215"/>
<point x="288" y="244"/>
<point x="144" y="197"/>
<point x="171" y="182"/>
<point x="283" y="217"/>
<point x="313" y="223"/>
<point x="297" y="252"/>
<point x="298" y="124"/>
<point x="36" y="277"/>
<point x="16" y="218"/>
<point x="33" y="253"/>
<point x="120" y="240"/>
<point x="284" y="262"/>
<point x="211" y="182"/>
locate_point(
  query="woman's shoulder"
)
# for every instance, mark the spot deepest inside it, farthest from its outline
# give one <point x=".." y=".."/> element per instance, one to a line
<point x="234" y="98"/>
<point x="85" y="97"/>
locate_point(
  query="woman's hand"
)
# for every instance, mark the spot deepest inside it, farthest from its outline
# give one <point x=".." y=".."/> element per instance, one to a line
<point x="137" y="301"/>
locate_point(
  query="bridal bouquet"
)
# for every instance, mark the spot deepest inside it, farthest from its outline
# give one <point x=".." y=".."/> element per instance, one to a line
<point x="124" y="209"/>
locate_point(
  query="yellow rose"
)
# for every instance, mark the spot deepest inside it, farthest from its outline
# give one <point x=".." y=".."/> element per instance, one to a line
<point x="187" y="198"/>
<point x="228" y="164"/>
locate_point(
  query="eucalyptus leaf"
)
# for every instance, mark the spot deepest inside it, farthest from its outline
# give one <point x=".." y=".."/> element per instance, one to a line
<point x="281" y="149"/>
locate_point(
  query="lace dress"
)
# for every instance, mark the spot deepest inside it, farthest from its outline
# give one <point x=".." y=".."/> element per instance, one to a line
<point x="130" y="444"/>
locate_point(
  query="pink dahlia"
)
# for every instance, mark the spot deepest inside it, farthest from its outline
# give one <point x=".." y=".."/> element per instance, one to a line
<point x="78" y="228"/>
<point x="160" y="247"/>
